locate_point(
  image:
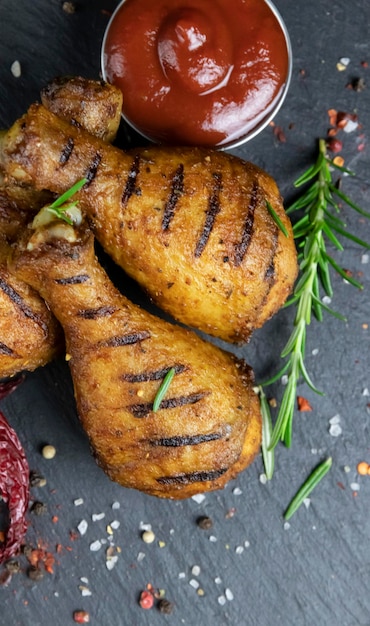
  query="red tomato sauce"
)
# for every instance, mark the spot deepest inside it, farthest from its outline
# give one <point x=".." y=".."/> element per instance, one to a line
<point x="196" y="72"/>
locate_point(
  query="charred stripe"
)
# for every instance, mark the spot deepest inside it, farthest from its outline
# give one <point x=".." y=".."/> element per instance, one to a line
<point x="270" y="271"/>
<point x="193" y="477"/>
<point x="242" y="247"/>
<point x="92" y="314"/>
<point x="143" y="377"/>
<point x="73" y="280"/>
<point x="211" y="213"/>
<point x="125" y="340"/>
<point x="175" y="442"/>
<point x="22" y="306"/>
<point x="92" y="169"/>
<point x="144" y="408"/>
<point x="177" y="189"/>
<point x="67" y="151"/>
<point x="130" y="187"/>
<point x="5" y="349"/>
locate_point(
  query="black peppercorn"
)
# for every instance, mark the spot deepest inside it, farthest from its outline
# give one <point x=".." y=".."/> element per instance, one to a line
<point x="165" y="606"/>
<point x="204" y="522"/>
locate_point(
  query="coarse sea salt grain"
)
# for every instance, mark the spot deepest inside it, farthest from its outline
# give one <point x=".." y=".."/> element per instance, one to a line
<point x="246" y="544"/>
<point x="82" y="527"/>
<point x="335" y="430"/>
<point x="284" y="380"/>
<point x="141" y="556"/>
<point x="315" y="352"/>
<point x="239" y="549"/>
<point x="182" y="575"/>
<point x="307" y="502"/>
<point x="145" y="526"/>
<point x="116" y="505"/>
<point x="366" y="392"/>
<point x="286" y="525"/>
<point x="229" y="594"/>
<point x="355" y="486"/>
<point x="97" y="516"/>
<point x="350" y="126"/>
<point x="195" y="570"/>
<point x="111" y="561"/>
<point x="365" y="259"/>
<point x="237" y="491"/>
<point x="218" y="580"/>
<point x="263" y="479"/>
<point x="115" y="524"/>
<point x="78" y="501"/>
<point x="221" y="600"/>
<point x="199" y="498"/>
<point x="16" y="69"/>
<point x="212" y="539"/>
<point x="95" y="545"/>
<point x="193" y="583"/>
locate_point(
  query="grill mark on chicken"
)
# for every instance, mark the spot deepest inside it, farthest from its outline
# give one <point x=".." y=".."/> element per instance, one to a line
<point x="214" y="208"/>
<point x="67" y="151"/>
<point x="144" y="408"/>
<point x="4" y="349"/>
<point x="92" y="314"/>
<point x="270" y="271"/>
<point x="22" y="306"/>
<point x="177" y="189"/>
<point x="124" y="340"/>
<point x="92" y="169"/>
<point x="73" y="280"/>
<point x="242" y="247"/>
<point x="175" y="442"/>
<point x="130" y="187"/>
<point x="193" y="477"/>
<point x="153" y="375"/>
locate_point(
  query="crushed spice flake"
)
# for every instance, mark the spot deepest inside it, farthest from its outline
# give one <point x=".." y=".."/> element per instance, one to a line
<point x="363" y="468"/>
<point x="303" y="404"/>
<point x="81" y="617"/>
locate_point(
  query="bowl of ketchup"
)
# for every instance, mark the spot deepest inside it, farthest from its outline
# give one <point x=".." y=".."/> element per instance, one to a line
<point x="198" y="72"/>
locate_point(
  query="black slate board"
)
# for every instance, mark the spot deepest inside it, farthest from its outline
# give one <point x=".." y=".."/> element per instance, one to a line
<point x="317" y="571"/>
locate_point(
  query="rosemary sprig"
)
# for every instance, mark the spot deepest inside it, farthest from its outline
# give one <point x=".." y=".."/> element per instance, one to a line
<point x="163" y="388"/>
<point x="319" y="223"/>
<point x="308" y="486"/>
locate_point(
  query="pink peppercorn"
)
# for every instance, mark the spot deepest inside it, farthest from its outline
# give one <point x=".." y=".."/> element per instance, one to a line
<point x="146" y="600"/>
<point x="81" y="617"/>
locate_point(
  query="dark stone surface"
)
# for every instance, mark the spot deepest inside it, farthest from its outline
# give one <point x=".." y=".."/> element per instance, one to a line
<point x="315" y="573"/>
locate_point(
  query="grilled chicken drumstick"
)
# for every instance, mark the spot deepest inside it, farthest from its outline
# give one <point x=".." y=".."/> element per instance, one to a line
<point x="192" y="226"/>
<point x="207" y="427"/>
<point x="29" y="334"/>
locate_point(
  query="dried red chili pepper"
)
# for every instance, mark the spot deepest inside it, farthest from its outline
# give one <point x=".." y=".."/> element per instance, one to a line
<point x="10" y="385"/>
<point x="14" y="488"/>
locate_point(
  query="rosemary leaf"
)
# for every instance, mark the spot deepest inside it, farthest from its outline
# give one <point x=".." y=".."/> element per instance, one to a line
<point x="268" y="454"/>
<point x="163" y="388"/>
<point x="68" y="194"/>
<point x="307" y="487"/>
<point x="276" y="219"/>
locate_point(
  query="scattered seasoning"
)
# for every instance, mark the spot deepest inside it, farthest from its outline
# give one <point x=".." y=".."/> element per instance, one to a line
<point x="146" y="599"/>
<point x="16" y="69"/>
<point x="37" y="480"/>
<point x="35" y="573"/>
<point x="148" y="536"/>
<point x="303" y="404"/>
<point x="81" y="617"/>
<point x="39" y="508"/>
<point x="13" y="566"/>
<point x="165" y="606"/>
<point x="48" y="452"/>
<point x="69" y="7"/>
<point x="363" y="468"/>
<point x="204" y="522"/>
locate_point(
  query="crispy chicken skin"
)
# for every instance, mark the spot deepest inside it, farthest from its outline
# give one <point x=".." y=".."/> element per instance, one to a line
<point x="90" y="104"/>
<point x="190" y="225"/>
<point x="208" y="425"/>
<point x="30" y="336"/>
